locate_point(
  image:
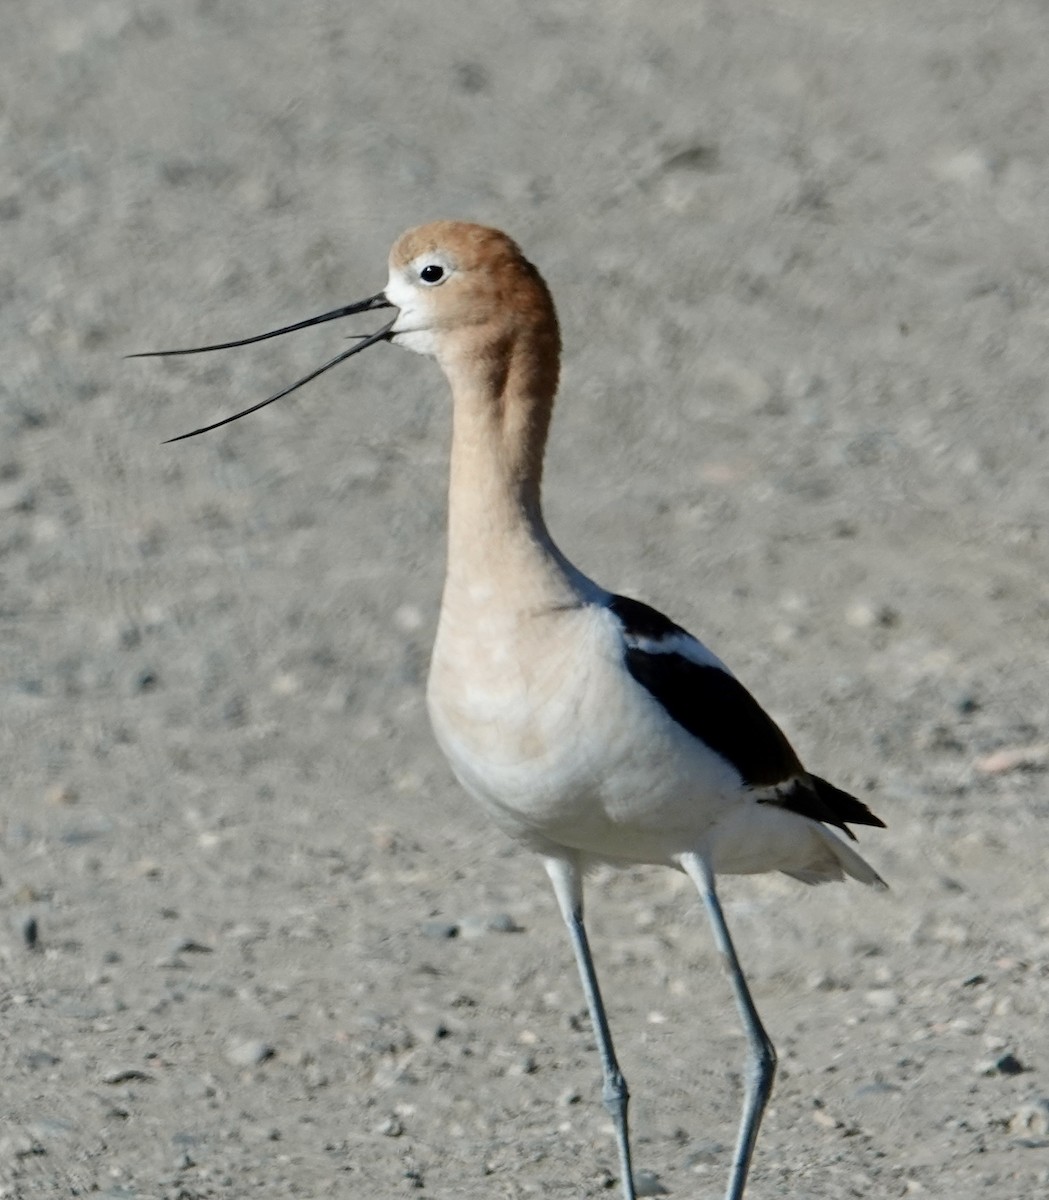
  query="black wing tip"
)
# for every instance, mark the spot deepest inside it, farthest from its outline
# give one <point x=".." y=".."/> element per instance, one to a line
<point x="845" y="806"/>
<point x="815" y="798"/>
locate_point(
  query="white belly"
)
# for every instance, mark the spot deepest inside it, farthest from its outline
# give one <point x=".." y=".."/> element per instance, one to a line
<point x="564" y="749"/>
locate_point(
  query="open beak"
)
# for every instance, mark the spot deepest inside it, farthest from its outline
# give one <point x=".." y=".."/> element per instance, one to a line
<point x="382" y="335"/>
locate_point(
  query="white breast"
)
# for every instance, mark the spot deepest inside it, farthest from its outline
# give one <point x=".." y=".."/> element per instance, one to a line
<point x="542" y="723"/>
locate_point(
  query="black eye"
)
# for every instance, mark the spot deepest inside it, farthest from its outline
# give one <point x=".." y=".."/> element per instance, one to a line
<point x="431" y="273"/>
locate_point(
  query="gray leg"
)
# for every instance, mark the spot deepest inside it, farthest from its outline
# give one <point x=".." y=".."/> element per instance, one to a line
<point x="568" y="888"/>
<point x="761" y="1065"/>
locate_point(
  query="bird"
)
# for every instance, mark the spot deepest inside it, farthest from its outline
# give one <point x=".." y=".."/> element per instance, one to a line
<point x="592" y="728"/>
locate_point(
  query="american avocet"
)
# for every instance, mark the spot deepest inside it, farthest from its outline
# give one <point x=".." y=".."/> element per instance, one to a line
<point x="590" y="726"/>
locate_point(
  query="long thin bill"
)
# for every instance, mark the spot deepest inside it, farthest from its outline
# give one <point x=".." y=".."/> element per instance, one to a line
<point x="382" y="335"/>
<point x="348" y="310"/>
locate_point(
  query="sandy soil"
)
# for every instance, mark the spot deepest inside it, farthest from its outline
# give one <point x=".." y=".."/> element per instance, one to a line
<point x="802" y="260"/>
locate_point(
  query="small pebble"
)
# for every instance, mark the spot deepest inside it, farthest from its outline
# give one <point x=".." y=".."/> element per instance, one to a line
<point x="474" y="927"/>
<point x="1007" y="1064"/>
<point x="866" y="615"/>
<point x="14" y="1146"/>
<point x="38" y="1060"/>
<point x="126" y="1075"/>
<point x="249" y="1053"/>
<point x="877" y="1089"/>
<point x="525" y="1065"/>
<point x="1013" y="758"/>
<point x="504" y="923"/>
<point x="439" y="929"/>
<point x="1031" y="1118"/>
<point x="146" y="681"/>
<point x="30" y="930"/>
<point x="646" y="1183"/>
<point x="185" y="945"/>
<point x="883" y="999"/>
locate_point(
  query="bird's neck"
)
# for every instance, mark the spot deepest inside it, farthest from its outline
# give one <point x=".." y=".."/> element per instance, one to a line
<point x="497" y="539"/>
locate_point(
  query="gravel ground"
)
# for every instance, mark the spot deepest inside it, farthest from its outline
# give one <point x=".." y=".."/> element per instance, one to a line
<point x="254" y="941"/>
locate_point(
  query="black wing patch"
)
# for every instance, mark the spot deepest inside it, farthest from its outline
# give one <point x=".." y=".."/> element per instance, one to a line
<point x="814" y="797"/>
<point x="707" y="701"/>
<point x="716" y="708"/>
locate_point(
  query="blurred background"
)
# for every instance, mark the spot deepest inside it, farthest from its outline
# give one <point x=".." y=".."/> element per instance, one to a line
<point x="801" y="258"/>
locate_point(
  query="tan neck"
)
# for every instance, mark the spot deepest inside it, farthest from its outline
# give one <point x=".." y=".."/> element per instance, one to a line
<point x="503" y="394"/>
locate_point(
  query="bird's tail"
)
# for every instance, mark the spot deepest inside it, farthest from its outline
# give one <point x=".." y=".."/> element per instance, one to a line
<point x="838" y="861"/>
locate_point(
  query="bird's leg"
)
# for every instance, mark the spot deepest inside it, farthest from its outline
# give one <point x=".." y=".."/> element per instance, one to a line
<point x="761" y="1065"/>
<point x="568" y="888"/>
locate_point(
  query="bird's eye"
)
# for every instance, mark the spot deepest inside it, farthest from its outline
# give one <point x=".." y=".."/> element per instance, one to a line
<point x="432" y="273"/>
